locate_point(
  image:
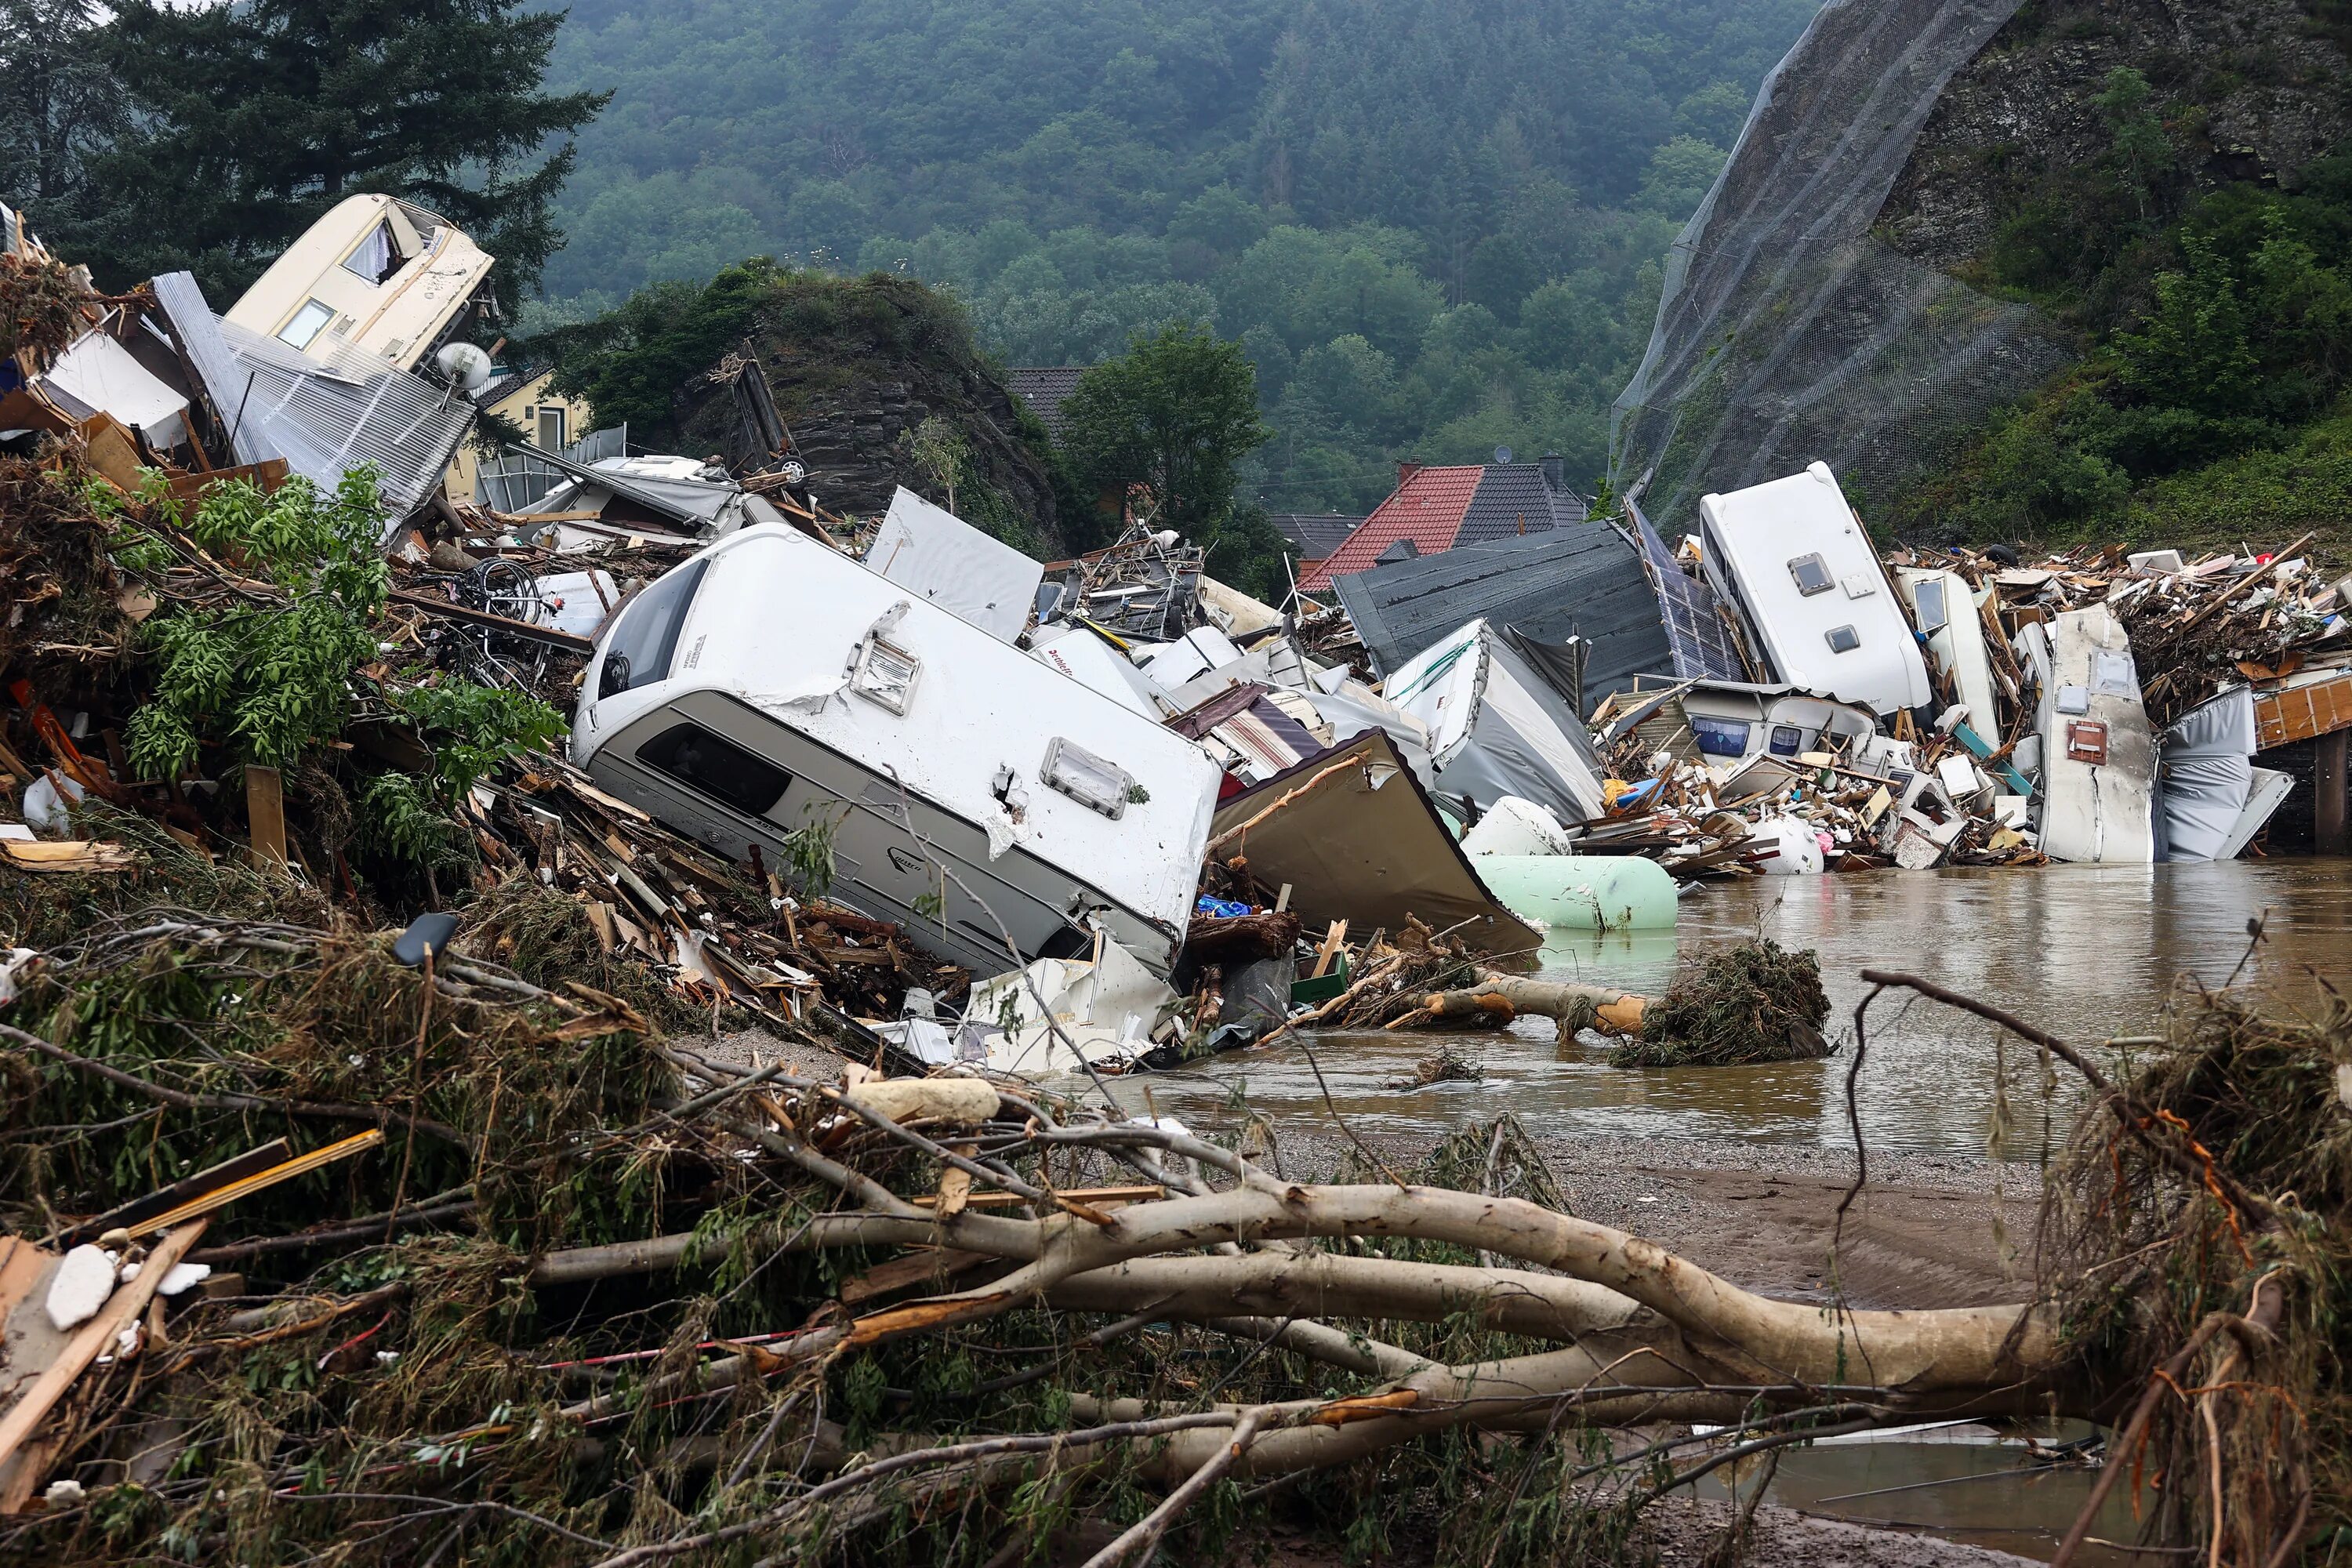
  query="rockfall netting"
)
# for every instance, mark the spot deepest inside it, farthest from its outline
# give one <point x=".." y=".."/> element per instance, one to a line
<point x="1786" y="332"/>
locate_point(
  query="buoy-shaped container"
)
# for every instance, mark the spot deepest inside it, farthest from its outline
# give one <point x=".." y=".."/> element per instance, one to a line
<point x="1799" y="846"/>
<point x="1516" y="826"/>
<point x="1583" y="892"/>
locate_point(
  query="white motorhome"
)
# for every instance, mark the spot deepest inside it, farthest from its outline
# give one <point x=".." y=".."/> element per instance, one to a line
<point x="771" y="683"/>
<point x="2099" y="756"/>
<point x="1796" y="564"/>
<point x="377" y="273"/>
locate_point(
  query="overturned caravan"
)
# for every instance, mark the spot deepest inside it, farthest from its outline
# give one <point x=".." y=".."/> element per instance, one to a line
<point x="771" y="685"/>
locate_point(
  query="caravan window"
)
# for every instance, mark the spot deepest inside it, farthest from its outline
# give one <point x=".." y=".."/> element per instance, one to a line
<point x="1812" y="574"/>
<point x="377" y="256"/>
<point x="715" y="766"/>
<point x="1721" y="737"/>
<point x="1843" y="640"/>
<point x="642" y="645"/>
<point x="1927" y="599"/>
<point x="1788" y="741"/>
<point x="307" y="324"/>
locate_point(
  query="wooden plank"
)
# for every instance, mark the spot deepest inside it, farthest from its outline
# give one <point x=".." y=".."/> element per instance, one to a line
<point x="268" y="474"/>
<point x="1332" y="940"/>
<point x="76" y="856"/>
<point x="212" y="1177"/>
<point x="121" y="1309"/>
<point x="265" y="809"/>
<point x="932" y="1266"/>
<point x="2331" y="783"/>
<point x="484" y="618"/>
<point x="2303" y="712"/>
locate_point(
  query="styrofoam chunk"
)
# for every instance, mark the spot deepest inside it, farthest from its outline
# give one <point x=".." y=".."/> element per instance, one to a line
<point x="84" y="1279"/>
<point x="182" y="1275"/>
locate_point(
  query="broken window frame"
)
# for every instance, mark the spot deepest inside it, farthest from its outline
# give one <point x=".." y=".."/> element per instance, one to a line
<point x="876" y="680"/>
<point x="645" y="640"/>
<point x="1934" y="620"/>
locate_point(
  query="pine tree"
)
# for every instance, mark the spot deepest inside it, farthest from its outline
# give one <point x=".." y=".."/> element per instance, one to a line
<point x="57" y="99"/>
<point x="251" y="120"/>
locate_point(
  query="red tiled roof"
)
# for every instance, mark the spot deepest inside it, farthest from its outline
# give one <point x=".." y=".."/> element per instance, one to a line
<point x="1426" y="509"/>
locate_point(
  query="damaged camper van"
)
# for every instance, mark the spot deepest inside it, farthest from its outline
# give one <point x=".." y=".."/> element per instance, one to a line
<point x="1794" y="562"/>
<point x="771" y="684"/>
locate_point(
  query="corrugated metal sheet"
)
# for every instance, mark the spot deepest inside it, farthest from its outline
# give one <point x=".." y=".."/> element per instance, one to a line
<point x="324" y="417"/>
<point x="1587" y="581"/>
<point x="1426" y="509"/>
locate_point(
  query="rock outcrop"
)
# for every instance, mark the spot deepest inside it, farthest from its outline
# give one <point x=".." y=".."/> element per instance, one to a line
<point x="857" y="366"/>
<point x="2255" y="89"/>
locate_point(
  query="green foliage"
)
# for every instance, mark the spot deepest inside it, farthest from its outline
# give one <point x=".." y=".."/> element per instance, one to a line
<point x="1292" y="172"/>
<point x="2188" y="404"/>
<point x="629" y="362"/>
<point x="268" y="683"/>
<point x="2139" y="152"/>
<point x="472" y="728"/>
<point x="1175" y="415"/>
<point x="400" y="820"/>
<point x="243" y="124"/>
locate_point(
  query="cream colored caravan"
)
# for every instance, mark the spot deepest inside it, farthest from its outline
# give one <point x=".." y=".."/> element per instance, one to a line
<point x="377" y="273"/>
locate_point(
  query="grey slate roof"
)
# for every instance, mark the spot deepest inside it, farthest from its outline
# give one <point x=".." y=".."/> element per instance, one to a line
<point x="1043" y="388"/>
<point x="1513" y="499"/>
<point x="1582" y="579"/>
<point x="1316" y="533"/>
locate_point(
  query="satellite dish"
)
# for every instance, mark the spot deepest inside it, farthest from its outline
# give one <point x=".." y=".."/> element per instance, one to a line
<point x="1502" y="454"/>
<point x="464" y="366"/>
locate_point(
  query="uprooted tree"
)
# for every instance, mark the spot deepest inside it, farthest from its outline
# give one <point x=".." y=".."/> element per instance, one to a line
<point x="598" y="1297"/>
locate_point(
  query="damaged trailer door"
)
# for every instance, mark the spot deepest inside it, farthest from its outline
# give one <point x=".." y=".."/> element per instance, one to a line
<point x="2098" y="758"/>
<point x="772" y="691"/>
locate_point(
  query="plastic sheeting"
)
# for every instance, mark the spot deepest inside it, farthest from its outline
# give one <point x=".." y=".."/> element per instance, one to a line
<point x="323" y="417"/>
<point x="1786" y="333"/>
<point x="96" y="375"/>
<point x="2205" y="773"/>
<point x="929" y="551"/>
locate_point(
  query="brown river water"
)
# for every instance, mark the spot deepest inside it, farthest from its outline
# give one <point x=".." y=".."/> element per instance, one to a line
<point x="2090" y="953"/>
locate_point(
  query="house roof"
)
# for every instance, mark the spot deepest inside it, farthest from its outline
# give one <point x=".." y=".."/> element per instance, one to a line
<point x="1584" y="580"/>
<point x="1043" y="387"/>
<point x="1316" y="533"/>
<point x="1426" y="508"/>
<point x="1512" y="500"/>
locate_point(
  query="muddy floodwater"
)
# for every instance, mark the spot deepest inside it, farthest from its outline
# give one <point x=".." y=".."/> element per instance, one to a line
<point x="2091" y="953"/>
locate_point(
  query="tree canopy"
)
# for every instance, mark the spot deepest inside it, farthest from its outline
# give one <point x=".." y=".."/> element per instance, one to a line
<point x="244" y="123"/>
<point x="1175" y="415"/>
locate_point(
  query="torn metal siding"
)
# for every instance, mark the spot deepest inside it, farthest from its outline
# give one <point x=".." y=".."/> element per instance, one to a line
<point x="324" y="417"/>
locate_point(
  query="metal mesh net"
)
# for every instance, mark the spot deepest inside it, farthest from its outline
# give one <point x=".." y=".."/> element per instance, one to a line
<point x="1787" y="332"/>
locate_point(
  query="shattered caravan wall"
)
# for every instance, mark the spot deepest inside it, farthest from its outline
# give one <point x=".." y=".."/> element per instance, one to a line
<point x="1788" y="330"/>
<point x="1809" y="310"/>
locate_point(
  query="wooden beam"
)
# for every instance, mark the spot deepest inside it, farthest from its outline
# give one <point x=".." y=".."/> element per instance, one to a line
<point x="265" y="809"/>
<point x="484" y="618"/>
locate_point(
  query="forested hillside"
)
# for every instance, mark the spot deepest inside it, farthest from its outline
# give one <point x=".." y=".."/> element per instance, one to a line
<point x="1434" y="224"/>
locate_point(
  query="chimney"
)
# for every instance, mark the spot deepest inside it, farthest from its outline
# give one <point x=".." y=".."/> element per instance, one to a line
<point x="1406" y="468"/>
<point x="1555" y="471"/>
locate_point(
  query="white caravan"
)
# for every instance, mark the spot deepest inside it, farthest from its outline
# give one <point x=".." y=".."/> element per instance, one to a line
<point x="1797" y="564"/>
<point x="771" y="683"/>
<point x="377" y="273"/>
<point x="2098" y="757"/>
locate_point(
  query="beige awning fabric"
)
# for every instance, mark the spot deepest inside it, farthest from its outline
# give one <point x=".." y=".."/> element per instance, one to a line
<point x="1354" y="835"/>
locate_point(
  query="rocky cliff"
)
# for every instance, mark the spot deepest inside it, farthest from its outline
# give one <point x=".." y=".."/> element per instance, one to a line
<point x="2249" y="90"/>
